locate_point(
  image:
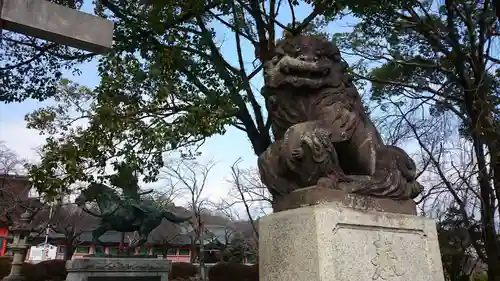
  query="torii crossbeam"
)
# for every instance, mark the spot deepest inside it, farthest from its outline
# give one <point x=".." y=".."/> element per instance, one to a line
<point x="56" y="23"/>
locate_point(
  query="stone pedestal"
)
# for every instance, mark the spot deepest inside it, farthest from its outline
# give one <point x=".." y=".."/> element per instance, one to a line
<point x="332" y="242"/>
<point x="118" y="269"/>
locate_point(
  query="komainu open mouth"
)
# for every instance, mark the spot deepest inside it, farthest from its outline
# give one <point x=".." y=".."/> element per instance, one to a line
<point x="306" y="73"/>
<point x="298" y="68"/>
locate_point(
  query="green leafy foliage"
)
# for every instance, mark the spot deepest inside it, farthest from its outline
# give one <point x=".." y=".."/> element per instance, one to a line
<point x="479" y="277"/>
<point x="166" y="85"/>
<point x="125" y="178"/>
<point x="121" y="125"/>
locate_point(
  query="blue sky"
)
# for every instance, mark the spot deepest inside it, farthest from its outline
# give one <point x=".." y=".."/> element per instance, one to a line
<point x="224" y="149"/>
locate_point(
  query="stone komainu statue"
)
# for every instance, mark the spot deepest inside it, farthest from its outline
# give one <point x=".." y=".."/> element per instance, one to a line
<point x="323" y="136"/>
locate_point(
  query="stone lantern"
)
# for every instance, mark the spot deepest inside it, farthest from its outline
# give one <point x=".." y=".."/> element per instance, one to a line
<point x="21" y="233"/>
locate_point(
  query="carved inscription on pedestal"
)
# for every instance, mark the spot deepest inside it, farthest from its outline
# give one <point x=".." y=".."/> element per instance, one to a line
<point x="385" y="261"/>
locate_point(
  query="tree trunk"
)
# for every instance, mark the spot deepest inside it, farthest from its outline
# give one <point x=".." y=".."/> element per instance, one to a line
<point x="202" y="253"/>
<point x="482" y="133"/>
<point x="495" y="150"/>
<point x="486" y="190"/>
<point x="193" y="251"/>
<point x="122" y="243"/>
<point x="69" y="250"/>
<point x="491" y="241"/>
<point x="166" y="247"/>
<point x="222" y="253"/>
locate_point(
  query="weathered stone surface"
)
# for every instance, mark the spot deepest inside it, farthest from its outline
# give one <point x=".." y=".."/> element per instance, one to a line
<point x="323" y="136"/>
<point x="118" y="264"/>
<point x="56" y="23"/>
<point x="81" y="269"/>
<point x="315" y="195"/>
<point x="329" y="242"/>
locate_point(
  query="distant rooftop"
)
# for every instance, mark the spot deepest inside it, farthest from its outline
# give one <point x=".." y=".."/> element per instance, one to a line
<point x="214" y="232"/>
<point x="14" y="177"/>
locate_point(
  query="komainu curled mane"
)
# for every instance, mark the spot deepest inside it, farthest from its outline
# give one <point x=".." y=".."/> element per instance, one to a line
<point x="323" y="135"/>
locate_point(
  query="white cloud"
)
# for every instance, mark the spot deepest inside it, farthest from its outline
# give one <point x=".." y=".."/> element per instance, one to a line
<point x="21" y="140"/>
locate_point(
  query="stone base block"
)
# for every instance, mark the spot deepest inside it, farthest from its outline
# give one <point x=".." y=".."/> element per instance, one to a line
<point x="314" y="195"/>
<point x="111" y="269"/>
<point x="329" y="242"/>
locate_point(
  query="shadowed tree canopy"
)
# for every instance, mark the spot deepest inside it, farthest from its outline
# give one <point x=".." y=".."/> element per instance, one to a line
<point x="170" y="82"/>
<point x="455" y="245"/>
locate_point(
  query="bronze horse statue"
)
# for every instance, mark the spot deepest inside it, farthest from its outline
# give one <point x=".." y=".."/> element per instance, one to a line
<point x="124" y="215"/>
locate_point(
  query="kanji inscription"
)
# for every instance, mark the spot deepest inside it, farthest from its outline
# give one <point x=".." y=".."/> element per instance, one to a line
<point x="386" y="261"/>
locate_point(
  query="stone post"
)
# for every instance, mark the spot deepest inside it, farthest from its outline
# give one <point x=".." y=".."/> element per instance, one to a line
<point x="21" y="231"/>
<point x="331" y="241"/>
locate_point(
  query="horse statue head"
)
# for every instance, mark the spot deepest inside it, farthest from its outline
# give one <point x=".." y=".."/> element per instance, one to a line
<point x="103" y="195"/>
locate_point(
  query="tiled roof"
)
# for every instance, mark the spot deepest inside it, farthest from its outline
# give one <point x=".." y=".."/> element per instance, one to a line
<point x="14" y="177"/>
<point x="114" y="237"/>
<point x="214" y="233"/>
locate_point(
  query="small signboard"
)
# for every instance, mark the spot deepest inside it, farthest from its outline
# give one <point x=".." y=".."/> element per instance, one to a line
<point x="43" y="252"/>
